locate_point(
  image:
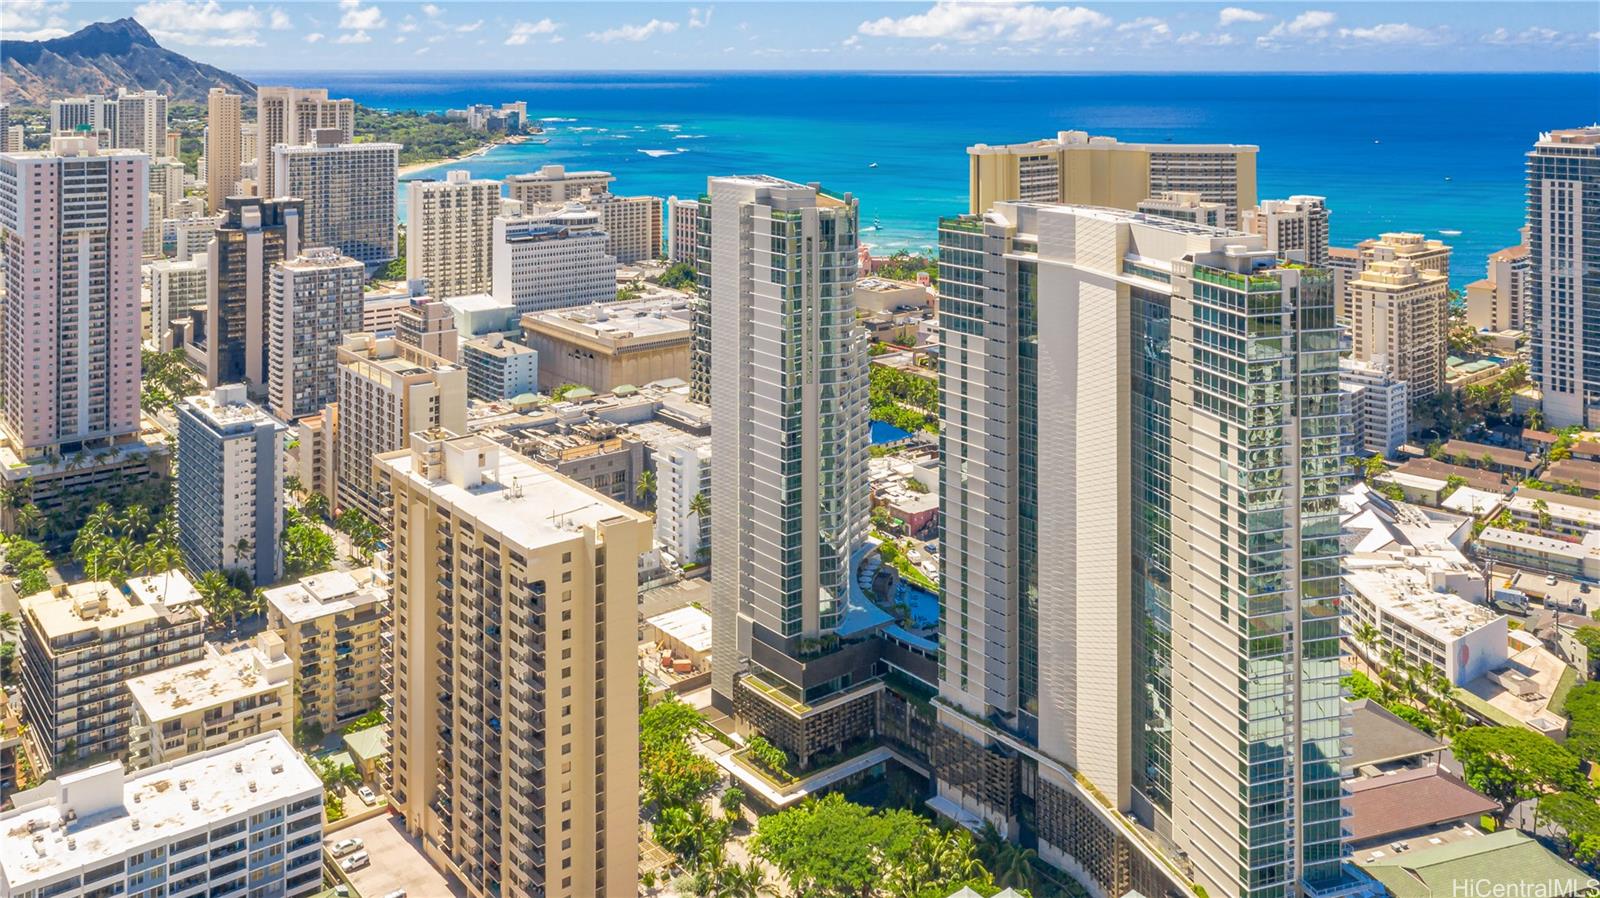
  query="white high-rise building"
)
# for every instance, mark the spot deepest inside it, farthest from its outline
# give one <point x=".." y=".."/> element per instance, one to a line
<point x="294" y="115"/>
<point x="348" y="190"/>
<point x="1141" y="584"/>
<point x="552" y="260"/>
<point x="94" y="113"/>
<point x="166" y="179"/>
<point x="789" y="491"/>
<point x="1297" y="224"/>
<point x="245" y="818"/>
<point x="176" y="288"/>
<point x="1564" y="279"/>
<point x="1401" y="313"/>
<point x="683" y="471"/>
<point x="632" y="225"/>
<point x="1383" y="416"/>
<point x="230" y="485"/>
<point x="450" y="233"/>
<point x="73" y="220"/>
<point x="314" y="300"/>
<point x="681" y="228"/>
<point x="142" y="122"/>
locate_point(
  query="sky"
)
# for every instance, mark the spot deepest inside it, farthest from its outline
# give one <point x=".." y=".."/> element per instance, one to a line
<point x="941" y="35"/>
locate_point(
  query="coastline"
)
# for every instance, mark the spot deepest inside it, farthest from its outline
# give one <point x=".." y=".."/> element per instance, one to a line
<point x="414" y="167"/>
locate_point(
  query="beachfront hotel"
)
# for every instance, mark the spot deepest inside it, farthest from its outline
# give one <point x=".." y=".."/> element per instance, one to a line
<point x="515" y="725"/>
<point x="1563" y="219"/>
<point x="1140" y="617"/>
<point x="1074" y="167"/>
<point x="554" y="185"/>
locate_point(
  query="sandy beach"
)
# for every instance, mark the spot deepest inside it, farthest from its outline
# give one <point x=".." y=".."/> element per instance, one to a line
<point x="415" y="167"/>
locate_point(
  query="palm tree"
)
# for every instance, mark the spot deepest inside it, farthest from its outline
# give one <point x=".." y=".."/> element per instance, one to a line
<point x="213" y="589"/>
<point x="9" y="625"/>
<point x="747" y="881"/>
<point x="645" y="489"/>
<point x="135" y="521"/>
<point x="27" y="520"/>
<point x="700" y="506"/>
<point x="1367" y="635"/>
<point x="241" y="548"/>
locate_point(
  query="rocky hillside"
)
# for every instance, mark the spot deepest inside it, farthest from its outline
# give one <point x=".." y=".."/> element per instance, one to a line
<point x="100" y="59"/>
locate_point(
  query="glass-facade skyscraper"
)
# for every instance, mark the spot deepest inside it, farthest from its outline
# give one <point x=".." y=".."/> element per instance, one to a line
<point x="1141" y="449"/>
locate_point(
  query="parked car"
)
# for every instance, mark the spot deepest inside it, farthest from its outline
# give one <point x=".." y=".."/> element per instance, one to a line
<point x="345" y="846"/>
<point x="355" y="862"/>
<point x="397" y="893"/>
<point x="367" y="795"/>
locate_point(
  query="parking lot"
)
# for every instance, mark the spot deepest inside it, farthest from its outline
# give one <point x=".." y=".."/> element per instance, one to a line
<point x="397" y="862"/>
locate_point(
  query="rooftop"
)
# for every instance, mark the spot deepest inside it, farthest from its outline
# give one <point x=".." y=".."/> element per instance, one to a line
<point x="688" y="625"/>
<point x="1379" y="737"/>
<point x="1558" y="505"/>
<point x="1405" y="592"/>
<point x="214" y="680"/>
<point x="524" y="501"/>
<point x="615" y="321"/>
<point x="226" y="409"/>
<point x="1500" y="455"/>
<point x="1401" y="801"/>
<point x="330" y="592"/>
<point x="1509" y="860"/>
<point x="1577" y="551"/>
<point x="98" y="605"/>
<point x="1586" y="474"/>
<point x="84" y="819"/>
<point x="372" y="742"/>
<point x="1083" y="140"/>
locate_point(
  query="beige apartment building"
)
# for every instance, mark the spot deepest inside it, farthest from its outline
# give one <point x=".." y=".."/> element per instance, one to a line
<point x="603" y="346"/>
<point x="450" y="233"/>
<point x="207" y="704"/>
<point x="429" y="325"/>
<point x="1400" y="312"/>
<point x="293" y="115"/>
<point x="1499" y="302"/>
<point x="331" y="625"/>
<point x="312" y="460"/>
<point x="1074" y="167"/>
<point x="388" y="391"/>
<point x="81" y="641"/>
<point x="553" y="185"/>
<point x="223" y="150"/>
<point x="1298" y="224"/>
<point x="632" y="225"/>
<point x="514" y="750"/>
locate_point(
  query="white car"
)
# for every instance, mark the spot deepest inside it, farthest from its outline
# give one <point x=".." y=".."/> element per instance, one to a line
<point x="367" y="795"/>
<point x="397" y="893"/>
<point x="355" y="862"/>
<point x="345" y="846"/>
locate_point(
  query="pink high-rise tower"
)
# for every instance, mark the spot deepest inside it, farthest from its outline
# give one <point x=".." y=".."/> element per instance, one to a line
<point x="72" y="219"/>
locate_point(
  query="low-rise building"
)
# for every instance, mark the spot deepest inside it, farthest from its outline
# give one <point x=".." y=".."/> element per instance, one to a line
<point x="604" y="346"/>
<point x="498" y="368"/>
<point x="1510" y="861"/>
<point x="1500" y="459"/>
<point x="332" y="625"/>
<point x="1542" y="553"/>
<point x="1429" y="481"/>
<point x="481" y="314"/>
<point x="1574" y="475"/>
<point x="1425" y="805"/>
<point x="245" y="818"/>
<point x="1555" y="514"/>
<point x="908" y="491"/>
<point x="81" y="642"/>
<point x="219" y="700"/>
<point x="1424" y="606"/>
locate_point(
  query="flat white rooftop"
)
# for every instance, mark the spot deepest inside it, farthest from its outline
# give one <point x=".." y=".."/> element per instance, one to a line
<point x="213" y="680"/>
<point x="99" y="605"/>
<point x="688" y="625"/>
<point x="115" y="813"/>
<point x="1405" y="593"/>
<point x="527" y="503"/>
<point x="330" y="592"/>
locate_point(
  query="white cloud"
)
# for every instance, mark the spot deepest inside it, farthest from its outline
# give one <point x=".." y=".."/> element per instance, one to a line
<point x="421" y="50"/>
<point x="407" y="26"/>
<point x="431" y="11"/>
<point x="634" y="32"/>
<point x="700" y="18"/>
<point x="1233" y="15"/>
<point x="280" y="20"/>
<point x="399" y="40"/>
<point x="469" y="27"/>
<point x="359" y="18"/>
<point x="1396" y="33"/>
<point x="1001" y="20"/>
<point x="354" y="37"/>
<point x="314" y="36"/>
<point x="522" y="31"/>
<point x="1535" y="35"/>
<point x="200" y="24"/>
<point x="1311" y="24"/>
<point x="32" y="20"/>
<point x="851" y="42"/>
<point x="1151" y="24"/>
<point x="558" y="39"/>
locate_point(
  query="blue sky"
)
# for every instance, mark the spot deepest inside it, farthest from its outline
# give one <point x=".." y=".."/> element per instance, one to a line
<point x="822" y="35"/>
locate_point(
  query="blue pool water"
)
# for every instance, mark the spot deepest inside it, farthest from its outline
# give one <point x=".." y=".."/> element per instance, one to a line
<point x="884" y="432"/>
<point x="924" y="605"/>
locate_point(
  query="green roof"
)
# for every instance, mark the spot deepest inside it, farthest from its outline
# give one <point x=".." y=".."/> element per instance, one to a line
<point x="1507" y="858"/>
<point x="372" y="742"/>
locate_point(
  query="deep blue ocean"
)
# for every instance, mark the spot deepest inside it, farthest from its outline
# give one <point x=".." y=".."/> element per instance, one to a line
<point x="1424" y="152"/>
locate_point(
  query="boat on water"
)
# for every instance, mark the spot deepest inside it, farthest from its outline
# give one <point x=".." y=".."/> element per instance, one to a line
<point x="1450" y="232"/>
<point x="538" y="140"/>
<point x="872" y="165"/>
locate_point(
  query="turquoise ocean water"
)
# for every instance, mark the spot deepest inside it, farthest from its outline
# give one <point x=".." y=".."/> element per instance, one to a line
<point x="1429" y="153"/>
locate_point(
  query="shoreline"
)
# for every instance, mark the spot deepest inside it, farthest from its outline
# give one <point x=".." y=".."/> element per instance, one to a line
<point x="414" y="167"/>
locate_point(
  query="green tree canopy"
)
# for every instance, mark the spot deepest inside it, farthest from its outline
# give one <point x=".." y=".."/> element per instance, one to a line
<point x="1510" y="763"/>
